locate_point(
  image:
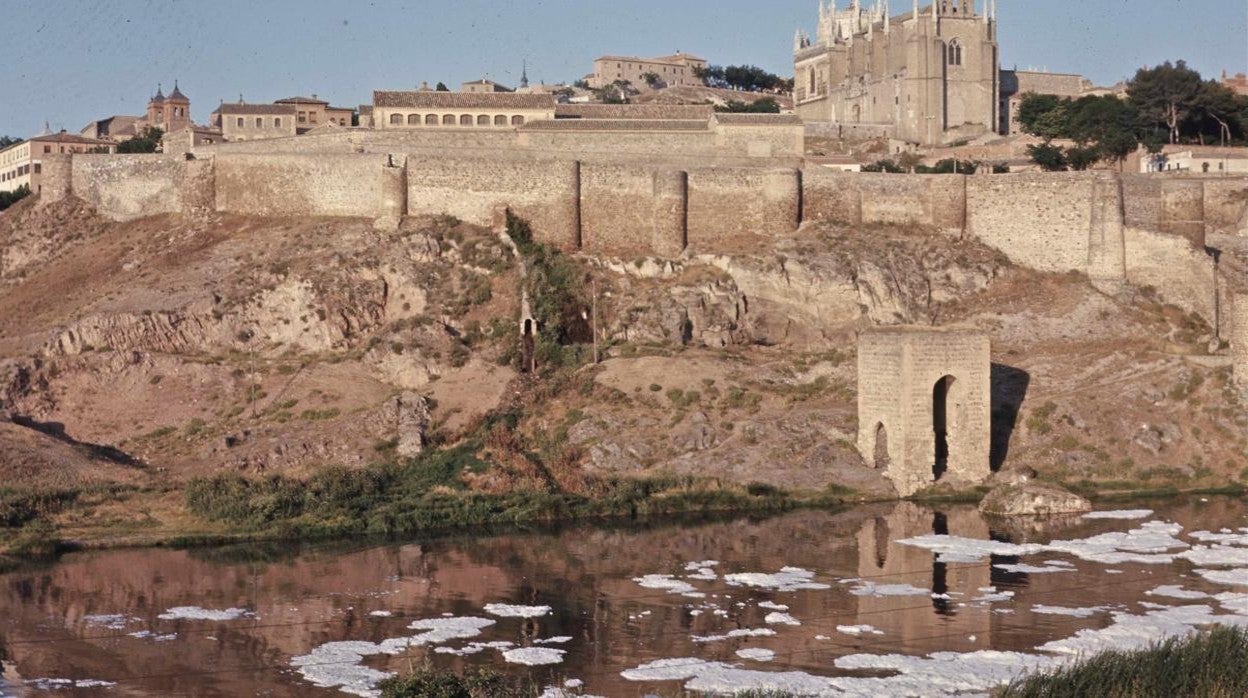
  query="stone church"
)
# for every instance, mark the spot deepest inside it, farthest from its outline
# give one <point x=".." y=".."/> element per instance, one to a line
<point x="929" y="75"/>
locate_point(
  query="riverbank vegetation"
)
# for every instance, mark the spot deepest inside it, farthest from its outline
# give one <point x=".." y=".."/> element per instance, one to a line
<point x="1209" y="665"/>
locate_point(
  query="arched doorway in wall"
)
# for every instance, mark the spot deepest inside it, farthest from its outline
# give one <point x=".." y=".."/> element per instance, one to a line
<point x="940" y="425"/>
<point x="880" y="459"/>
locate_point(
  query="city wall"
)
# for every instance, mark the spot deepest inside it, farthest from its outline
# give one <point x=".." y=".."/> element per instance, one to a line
<point x="1140" y="229"/>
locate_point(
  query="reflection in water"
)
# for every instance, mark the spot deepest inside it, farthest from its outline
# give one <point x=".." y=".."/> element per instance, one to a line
<point x="305" y="597"/>
<point x="940" y="571"/>
<point x="1002" y="577"/>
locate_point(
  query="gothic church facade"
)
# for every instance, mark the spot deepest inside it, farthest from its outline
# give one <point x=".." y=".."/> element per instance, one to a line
<point x="929" y="76"/>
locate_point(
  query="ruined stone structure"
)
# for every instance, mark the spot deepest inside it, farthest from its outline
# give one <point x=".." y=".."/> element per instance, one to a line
<point x="928" y="76"/>
<point x="924" y="405"/>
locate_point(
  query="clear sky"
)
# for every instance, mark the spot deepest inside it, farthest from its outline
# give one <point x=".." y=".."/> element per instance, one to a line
<point x="71" y="61"/>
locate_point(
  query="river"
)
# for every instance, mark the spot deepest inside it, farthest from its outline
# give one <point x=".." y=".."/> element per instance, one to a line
<point x="852" y="602"/>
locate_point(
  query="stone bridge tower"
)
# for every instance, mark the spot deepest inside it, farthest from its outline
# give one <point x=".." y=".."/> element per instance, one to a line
<point x="925" y="405"/>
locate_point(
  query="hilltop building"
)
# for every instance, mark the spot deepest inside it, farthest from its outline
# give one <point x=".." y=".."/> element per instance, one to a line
<point x="169" y="114"/>
<point x="1237" y="82"/>
<point x="240" y="121"/>
<point x="497" y="110"/>
<point x="311" y="112"/>
<point x="484" y="85"/>
<point x="677" y="69"/>
<point x="928" y="76"/>
<point x="21" y="164"/>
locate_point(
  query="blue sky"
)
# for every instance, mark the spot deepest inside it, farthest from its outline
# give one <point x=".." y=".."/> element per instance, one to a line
<point x="71" y="61"/>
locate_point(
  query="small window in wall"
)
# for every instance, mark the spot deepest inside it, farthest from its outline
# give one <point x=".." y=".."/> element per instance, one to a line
<point x="500" y="121"/>
<point x="517" y="121"/>
<point x="277" y="122"/>
<point x="465" y="120"/>
<point x="259" y="122"/>
<point x="396" y="119"/>
<point x="303" y="117"/>
<point x="448" y="119"/>
<point x="38" y="168"/>
<point x="240" y="122"/>
<point x="47" y="148"/>
<point x="955" y="53"/>
<point x="413" y="119"/>
<point x="483" y="120"/>
<point x="431" y="119"/>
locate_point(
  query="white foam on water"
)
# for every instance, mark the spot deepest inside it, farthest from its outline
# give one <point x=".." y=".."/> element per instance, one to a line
<point x="149" y="635"/>
<point x="740" y="632"/>
<point x="380" y="614"/>
<point x="1149" y="544"/>
<point x="991" y="595"/>
<point x="787" y="579"/>
<point x="778" y="618"/>
<point x="197" y="613"/>
<point x="873" y="589"/>
<point x="757" y="654"/>
<point x="534" y="656"/>
<point x="112" y="621"/>
<point x="1237" y="578"/>
<point x="339" y="664"/>
<point x="1216" y="556"/>
<point x="720" y="678"/>
<point x="474" y="648"/>
<point x="53" y="684"/>
<point x="959" y="549"/>
<point x="665" y="581"/>
<point x="1033" y="569"/>
<point x="1226" y="537"/>
<point x="1121" y="514"/>
<point x="858" y="630"/>
<point x="503" y="610"/>
<point x="1176" y="591"/>
<point x="557" y="640"/>
<point x="1065" y="611"/>
<point x="773" y="605"/>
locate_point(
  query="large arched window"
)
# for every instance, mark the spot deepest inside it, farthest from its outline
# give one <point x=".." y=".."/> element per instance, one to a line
<point x="955" y="52"/>
<point x="396" y="119"/>
<point x="413" y="119"/>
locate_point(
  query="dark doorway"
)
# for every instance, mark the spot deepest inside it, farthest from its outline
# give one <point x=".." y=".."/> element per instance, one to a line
<point x="940" y="425"/>
<point x="881" y="459"/>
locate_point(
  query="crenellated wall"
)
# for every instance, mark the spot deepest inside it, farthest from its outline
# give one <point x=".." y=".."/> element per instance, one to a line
<point x="1140" y="229"/>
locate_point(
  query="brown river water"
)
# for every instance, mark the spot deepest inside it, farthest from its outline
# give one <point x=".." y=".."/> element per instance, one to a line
<point x="833" y="601"/>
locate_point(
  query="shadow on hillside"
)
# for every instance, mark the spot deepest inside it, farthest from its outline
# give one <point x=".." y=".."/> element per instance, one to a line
<point x="1009" y="390"/>
<point x="56" y="430"/>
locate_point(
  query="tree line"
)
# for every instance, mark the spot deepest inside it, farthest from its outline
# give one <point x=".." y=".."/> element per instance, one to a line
<point x="1167" y="104"/>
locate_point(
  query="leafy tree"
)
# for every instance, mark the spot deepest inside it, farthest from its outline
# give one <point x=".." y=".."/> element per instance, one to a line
<point x="6" y="141"/>
<point x="1050" y="158"/>
<point x="1218" y="107"/>
<point x="441" y="87"/>
<point x="767" y="105"/>
<point x="1166" y="95"/>
<point x="741" y="77"/>
<point x="1082" y="157"/>
<point x="1104" y="126"/>
<point x="8" y="198"/>
<point x="1042" y="115"/>
<point x="146" y="142"/>
<point x="652" y="80"/>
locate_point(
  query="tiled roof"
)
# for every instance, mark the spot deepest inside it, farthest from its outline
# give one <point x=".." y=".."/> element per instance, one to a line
<point x="633" y="111"/>
<point x="676" y="59"/>
<point x="70" y="138"/>
<point x="301" y="100"/>
<point x="616" y="125"/>
<point x="679" y="57"/>
<point x="758" y="119"/>
<point x="177" y="94"/>
<point x="462" y="100"/>
<point x="248" y="109"/>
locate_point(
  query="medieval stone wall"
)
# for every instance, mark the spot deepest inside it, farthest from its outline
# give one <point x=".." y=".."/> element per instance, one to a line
<point x="1239" y="341"/>
<point x="125" y="187"/>
<point x="300" y="185"/>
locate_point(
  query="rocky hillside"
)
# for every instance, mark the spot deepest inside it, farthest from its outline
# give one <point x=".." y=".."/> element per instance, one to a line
<point x="144" y="354"/>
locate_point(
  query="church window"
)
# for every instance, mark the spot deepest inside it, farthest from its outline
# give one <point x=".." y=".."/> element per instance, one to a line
<point x="955" y="53"/>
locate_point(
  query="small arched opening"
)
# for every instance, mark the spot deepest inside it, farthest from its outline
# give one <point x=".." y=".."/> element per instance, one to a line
<point x="465" y="120"/>
<point x="431" y="119"/>
<point x="448" y="119"/>
<point x="413" y="119"/>
<point x="517" y="121"/>
<point x="483" y="120"/>
<point x="880" y="459"/>
<point x="500" y="120"/>
<point x="396" y="119"/>
<point x="940" y="426"/>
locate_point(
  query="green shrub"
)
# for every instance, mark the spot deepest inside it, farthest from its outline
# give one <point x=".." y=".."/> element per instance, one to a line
<point x="428" y="682"/>
<point x="1207" y="664"/>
